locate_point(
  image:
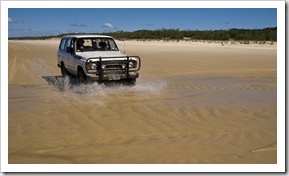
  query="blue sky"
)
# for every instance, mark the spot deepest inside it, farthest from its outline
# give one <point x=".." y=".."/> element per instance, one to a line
<point x="54" y="21"/>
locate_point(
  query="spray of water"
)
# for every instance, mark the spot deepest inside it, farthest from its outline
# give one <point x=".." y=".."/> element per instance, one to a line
<point x="69" y="84"/>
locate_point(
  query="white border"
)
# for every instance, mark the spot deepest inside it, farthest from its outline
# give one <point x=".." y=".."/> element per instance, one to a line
<point x="145" y="4"/>
<point x="279" y="167"/>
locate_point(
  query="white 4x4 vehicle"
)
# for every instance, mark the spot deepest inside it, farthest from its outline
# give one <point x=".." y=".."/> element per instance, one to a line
<point x="96" y="57"/>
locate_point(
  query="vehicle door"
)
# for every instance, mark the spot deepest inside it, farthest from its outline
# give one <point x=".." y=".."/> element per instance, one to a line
<point x="67" y="54"/>
<point x="62" y="52"/>
<point x="70" y="56"/>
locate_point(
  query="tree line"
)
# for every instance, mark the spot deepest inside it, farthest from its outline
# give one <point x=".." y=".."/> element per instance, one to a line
<point x="266" y="34"/>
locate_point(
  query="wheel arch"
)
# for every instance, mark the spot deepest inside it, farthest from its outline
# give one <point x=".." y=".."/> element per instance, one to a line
<point x="61" y="63"/>
<point x="79" y="68"/>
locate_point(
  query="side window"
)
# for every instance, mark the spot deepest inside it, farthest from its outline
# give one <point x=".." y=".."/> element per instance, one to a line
<point x="62" y="44"/>
<point x="112" y="45"/>
<point x="68" y="43"/>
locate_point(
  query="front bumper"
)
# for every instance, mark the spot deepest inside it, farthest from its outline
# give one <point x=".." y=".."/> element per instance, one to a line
<point x="114" y="68"/>
<point x="111" y="77"/>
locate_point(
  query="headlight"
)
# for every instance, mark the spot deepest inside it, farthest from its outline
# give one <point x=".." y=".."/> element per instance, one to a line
<point x="131" y="65"/>
<point x="91" y="66"/>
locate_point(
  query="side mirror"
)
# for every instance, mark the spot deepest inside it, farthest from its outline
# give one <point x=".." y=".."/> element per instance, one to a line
<point x="69" y="49"/>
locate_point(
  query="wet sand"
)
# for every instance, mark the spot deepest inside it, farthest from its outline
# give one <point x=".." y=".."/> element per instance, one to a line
<point x="194" y="103"/>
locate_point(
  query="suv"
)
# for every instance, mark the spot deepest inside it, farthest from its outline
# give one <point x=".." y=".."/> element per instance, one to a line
<point x="97" y="58"/>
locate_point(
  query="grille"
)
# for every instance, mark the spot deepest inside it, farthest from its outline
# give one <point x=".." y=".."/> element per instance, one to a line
<point x="113" y="66"/>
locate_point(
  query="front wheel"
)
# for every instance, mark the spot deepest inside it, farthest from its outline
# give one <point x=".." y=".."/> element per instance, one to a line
<point x="81" y="76"/>
<point x="131" y="81"/>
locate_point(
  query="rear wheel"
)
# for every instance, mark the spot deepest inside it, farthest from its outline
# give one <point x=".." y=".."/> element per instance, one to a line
<point x="64" y="72"/>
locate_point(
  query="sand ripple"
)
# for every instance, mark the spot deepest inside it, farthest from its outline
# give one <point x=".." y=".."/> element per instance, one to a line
<point x="205" y="108"/>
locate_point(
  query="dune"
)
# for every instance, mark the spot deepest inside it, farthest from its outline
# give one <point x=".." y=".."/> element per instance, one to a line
<point x="194" y="103"/>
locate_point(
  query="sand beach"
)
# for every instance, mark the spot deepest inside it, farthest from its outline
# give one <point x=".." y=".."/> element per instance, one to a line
<point x="194" y="103"/>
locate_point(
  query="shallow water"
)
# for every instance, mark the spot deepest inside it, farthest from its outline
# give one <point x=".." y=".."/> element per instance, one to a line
<point x="97" y="123"/>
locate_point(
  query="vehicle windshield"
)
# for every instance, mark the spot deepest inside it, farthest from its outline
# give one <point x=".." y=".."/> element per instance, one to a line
<point x="95" y="44"/>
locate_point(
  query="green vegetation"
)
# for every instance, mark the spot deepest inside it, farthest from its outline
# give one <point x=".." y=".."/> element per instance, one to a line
<point x="266" y="34"/>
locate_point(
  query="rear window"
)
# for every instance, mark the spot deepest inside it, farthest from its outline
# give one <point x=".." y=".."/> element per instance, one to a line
<point x="62" y="44"/>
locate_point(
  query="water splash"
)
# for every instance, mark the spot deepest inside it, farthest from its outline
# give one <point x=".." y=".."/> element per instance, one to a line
<point x="70" y="85"/>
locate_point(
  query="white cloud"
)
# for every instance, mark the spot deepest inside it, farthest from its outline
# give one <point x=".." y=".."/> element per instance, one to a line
<point x="78" y="25"/>
<point x="33" y="30"/>
<point x="10" y="20"/>
<point x="109" y="26"/>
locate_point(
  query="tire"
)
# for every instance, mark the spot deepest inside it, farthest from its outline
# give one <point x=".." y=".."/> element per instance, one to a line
<point x="64" y="72"/>
<point x="81" y="77"/>
<point x="131" y="81"/>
